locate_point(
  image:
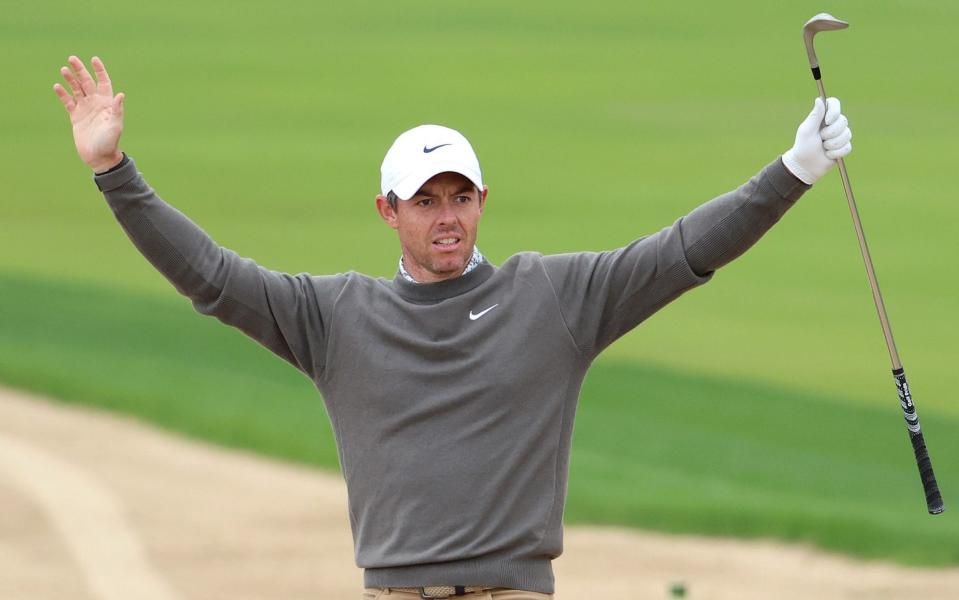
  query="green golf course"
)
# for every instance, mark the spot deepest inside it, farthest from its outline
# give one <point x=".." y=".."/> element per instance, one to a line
<point x="760" y="405"/>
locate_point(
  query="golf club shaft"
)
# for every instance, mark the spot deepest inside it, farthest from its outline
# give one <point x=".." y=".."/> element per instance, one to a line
<point x="933" y="498"/>
<point x="864" y="248"/>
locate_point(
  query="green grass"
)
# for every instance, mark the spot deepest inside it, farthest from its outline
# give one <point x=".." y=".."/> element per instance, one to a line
<point x="158" y="360"/>
<point x="267" y="124"/>
<point x="653" y="448"/>
<point x="595" y="124"/>
<point x="687" y="453"/>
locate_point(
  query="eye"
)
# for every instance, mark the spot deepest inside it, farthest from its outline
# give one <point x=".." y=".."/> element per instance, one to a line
<point x="463" y="199"/>
<point x="424" y="202"/>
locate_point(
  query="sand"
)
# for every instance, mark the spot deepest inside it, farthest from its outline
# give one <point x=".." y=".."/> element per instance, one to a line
<point x="94" y="506"/>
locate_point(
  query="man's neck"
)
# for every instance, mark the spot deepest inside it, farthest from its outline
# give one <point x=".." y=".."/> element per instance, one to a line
<point x="474" y="260"/>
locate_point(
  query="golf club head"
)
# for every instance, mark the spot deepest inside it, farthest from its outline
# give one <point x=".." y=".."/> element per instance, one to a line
<point x="821" y="22"/>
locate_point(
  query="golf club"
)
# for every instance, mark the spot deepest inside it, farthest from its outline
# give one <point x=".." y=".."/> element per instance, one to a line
<point x="827" y="22"/>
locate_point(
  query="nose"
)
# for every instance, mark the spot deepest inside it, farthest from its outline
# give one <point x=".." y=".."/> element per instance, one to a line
<point x="447" y="214"/>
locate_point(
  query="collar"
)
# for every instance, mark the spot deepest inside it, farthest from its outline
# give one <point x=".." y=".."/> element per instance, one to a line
<point x="431" y="293"/>
<point x="474" y="262"/>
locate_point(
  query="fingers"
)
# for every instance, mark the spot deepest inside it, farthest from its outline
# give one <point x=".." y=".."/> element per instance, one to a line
<point x="838" y="126"/>
<point x="72" y="80"/>
<point x="118" y="104"/>
<point x="86" y="82"/>
<point x="814" y="119"/>
<point x="82" y="84"/>
<point x="836" y="135"/>
<point x="841" y="152"/>
<point x="104" y="85"/>
<point x="838" y="141"/>
<point x="833" y="110"/>
<point x="818" y="108"/>
<point x="64" y="97"/>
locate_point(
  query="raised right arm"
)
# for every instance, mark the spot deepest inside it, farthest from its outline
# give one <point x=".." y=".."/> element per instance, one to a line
<point x="288" y="314"/>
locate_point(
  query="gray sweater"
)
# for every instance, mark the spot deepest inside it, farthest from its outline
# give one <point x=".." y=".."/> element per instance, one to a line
<point x="452" y="402"/>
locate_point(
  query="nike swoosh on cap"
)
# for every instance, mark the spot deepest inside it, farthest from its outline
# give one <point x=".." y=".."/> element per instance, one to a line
<point x="427" y="150"/>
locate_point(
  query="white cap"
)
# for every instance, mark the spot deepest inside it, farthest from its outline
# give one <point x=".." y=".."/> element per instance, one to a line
<point x="423" y="152"/>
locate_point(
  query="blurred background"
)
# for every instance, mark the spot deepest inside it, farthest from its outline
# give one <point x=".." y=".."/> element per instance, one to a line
<point x="760" y="405"/>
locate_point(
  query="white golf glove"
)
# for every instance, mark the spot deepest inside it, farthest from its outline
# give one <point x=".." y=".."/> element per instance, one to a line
<point x="819" y="142"/>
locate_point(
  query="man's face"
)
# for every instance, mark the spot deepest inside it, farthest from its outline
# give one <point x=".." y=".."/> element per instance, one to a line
<point x="437" y="226"/>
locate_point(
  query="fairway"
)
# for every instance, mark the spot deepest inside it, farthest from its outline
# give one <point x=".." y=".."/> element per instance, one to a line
<point x="760" y="405"/>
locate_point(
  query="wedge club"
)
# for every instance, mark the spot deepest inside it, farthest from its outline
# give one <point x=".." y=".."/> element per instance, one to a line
<point x="827" y="22"/>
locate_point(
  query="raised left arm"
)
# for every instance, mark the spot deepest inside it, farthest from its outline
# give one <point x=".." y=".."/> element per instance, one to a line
<point x="724" y="228"/>
<point x="602" y="295"/>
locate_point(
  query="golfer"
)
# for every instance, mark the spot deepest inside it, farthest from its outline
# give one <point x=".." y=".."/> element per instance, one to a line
<point x="451" y="388"/>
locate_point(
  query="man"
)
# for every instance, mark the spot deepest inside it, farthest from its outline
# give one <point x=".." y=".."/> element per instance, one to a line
<point x="452" y="389"/>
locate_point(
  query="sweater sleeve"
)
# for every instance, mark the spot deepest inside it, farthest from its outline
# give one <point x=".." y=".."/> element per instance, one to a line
<point x="289" y="314"/>
<point x="603" y="295"/>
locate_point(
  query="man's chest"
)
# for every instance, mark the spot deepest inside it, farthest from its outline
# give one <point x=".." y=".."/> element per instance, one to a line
<point x="498" y="339"/>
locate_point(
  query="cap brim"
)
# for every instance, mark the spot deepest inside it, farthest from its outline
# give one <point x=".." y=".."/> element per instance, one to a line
<point x="405" y="189"/>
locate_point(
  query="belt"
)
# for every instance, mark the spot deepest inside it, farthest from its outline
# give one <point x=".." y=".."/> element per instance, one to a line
<point x="442" y="591"/>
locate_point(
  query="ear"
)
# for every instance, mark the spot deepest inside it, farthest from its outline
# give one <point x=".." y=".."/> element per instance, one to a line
<point x="386" y="211"/>
<point x="483" y="194"/>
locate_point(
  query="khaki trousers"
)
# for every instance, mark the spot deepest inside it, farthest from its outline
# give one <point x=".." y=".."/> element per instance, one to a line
<point x="493" y="594"/>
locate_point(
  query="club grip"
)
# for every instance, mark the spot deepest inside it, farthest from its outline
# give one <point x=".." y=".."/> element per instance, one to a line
<point x="933" y="497"/>
<point x="928" y="477"/>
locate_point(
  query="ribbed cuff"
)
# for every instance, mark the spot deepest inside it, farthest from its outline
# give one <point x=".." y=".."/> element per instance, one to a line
<point x="124" y="159"/>
<point x="793" y="168"/>
<point x="117" y="176"/>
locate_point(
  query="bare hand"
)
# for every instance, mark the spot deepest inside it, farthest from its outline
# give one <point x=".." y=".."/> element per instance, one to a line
<point x="95" y="113"/>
